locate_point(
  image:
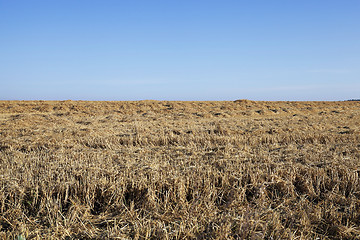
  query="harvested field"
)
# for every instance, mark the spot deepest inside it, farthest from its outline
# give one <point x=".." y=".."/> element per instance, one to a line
<point x="179" y="170"/>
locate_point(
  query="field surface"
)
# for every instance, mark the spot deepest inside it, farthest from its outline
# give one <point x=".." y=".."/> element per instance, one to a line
<point x="179" y="170"/>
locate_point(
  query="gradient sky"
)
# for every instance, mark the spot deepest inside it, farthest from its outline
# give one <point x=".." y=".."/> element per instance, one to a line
<point x="179" y="50"/>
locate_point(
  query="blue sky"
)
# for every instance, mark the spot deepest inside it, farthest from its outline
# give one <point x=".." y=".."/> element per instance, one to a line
<point x="179" y="50"/>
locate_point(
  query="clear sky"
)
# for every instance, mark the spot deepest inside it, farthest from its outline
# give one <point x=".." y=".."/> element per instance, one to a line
<point x="179" y="50"/>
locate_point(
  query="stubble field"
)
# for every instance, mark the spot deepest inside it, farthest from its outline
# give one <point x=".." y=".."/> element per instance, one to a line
<point x="179" y="170"/>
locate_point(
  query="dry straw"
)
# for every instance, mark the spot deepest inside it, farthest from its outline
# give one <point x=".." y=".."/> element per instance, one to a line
<point x="179" y="170"/>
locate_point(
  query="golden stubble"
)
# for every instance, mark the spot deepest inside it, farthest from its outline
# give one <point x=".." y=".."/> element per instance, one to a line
<point x="179" y="170"/>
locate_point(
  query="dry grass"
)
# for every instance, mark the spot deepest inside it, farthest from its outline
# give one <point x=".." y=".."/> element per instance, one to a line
<point x="179" y="170"/>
